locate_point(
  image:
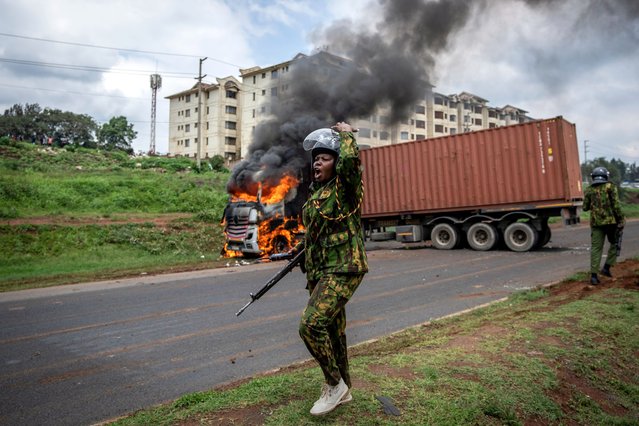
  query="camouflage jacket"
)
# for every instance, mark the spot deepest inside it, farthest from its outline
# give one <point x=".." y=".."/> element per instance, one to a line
<point x="332" y="218"/>
<point x="603" y="203"/>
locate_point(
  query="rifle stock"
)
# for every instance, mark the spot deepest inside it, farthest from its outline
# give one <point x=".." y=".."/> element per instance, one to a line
<point x="274" y="280"/>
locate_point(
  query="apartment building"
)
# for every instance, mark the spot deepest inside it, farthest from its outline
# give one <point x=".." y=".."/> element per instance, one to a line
<point x="434" y="115"/>
<point x="220" y="120"/>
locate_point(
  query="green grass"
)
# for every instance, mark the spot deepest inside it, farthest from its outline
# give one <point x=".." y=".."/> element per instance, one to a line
<point x="506" y="364"/>
<point x="39" y="255"/>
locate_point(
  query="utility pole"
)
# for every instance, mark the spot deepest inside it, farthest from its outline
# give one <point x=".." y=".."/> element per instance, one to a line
<point x="585" y="151"/>
<point x="198" y="153"/>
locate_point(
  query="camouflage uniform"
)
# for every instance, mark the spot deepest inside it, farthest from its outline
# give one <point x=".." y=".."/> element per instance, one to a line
<point x="605" y="216"/>
<point x="335" y="261"/>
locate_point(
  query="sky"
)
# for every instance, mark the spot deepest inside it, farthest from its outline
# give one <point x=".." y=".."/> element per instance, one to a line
<point x="573" y="58"/>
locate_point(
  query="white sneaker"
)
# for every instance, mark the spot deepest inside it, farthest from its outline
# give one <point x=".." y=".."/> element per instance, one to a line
<point x="346" y="398"/>
<point x="330" y="399"/>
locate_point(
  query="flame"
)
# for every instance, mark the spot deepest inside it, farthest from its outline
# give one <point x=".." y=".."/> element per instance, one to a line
<point x="271" y="192"/>
<point x="278" y="235"/>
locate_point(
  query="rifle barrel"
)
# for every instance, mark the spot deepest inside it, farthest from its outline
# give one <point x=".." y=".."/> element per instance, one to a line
<point x="274" y="280"/>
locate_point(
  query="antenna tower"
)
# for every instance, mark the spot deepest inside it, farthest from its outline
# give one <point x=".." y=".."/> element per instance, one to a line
<point x="156" y="83"/>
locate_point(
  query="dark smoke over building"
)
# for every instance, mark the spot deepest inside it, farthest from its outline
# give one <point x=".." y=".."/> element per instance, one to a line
<point x="359" y="70"/>
<point x="386" y="66"/>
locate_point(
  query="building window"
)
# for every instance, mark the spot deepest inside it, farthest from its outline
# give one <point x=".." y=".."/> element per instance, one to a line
<point x="230" y="109"/>
<point x="229" y="140"/>
<point x="453" y="131"/>
<point x="439" y="128"/>
<point x="253" y="112"/>
<point x="439" y="114"/>
<point x="231" y="94"/>
<point x="187" y="113"/>
<point x="420" y="137"/>
<point x="188" y="98"/>
<point x="274" y="74"/>
<point x="207" y="125"/>
<point x="478" y="109"/>
<point x="364" y="132"/>
<point x="253" y="95"/>
<point x="453" y="118"/>
<point x="187" y="127"/>
<point x="403" y="136"/>
<point x="187" y="142"/>
<point x="274" y="91"/>
<point x="207" y="110"/>
<point x="420" y="109"/>
<point x="263" y="92"/>
<point x="420" y="124"/>
<point x="231" y="125"/>
<point x="478" y="121"/>
<point x="383" y="135"/>
<point x="491" y="125"/>
<point x="263" y="75"/>
<point x="438" y="100"/>
<point x="254" y="79"/>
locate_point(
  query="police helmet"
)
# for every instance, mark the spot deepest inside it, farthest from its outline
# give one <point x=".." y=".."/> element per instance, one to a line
<point x="322" y="140"/>
<point x="599" y="175"/>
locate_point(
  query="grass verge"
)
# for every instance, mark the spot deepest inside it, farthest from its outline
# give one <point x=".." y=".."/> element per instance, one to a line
<point x="565" y="355"/>
<point x="44" y="255"/>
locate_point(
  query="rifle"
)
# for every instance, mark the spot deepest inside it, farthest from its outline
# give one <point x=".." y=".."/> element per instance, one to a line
<point x="299" y="257"/>
<point x="619" y="238"/>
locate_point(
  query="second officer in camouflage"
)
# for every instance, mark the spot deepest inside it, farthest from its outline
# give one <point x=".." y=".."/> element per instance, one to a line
<point x="606" y="221"/>
<point x="335" y="256"/>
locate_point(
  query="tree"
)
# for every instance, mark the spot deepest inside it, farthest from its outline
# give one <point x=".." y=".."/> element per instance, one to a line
<point x="68" y="128"/>
<point x="22" y="123"/>
<point x="117" y="134"/>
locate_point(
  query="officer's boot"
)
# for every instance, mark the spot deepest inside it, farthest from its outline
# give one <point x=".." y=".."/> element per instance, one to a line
<point x="594" y="280"/>
<point x="606" y="270"/>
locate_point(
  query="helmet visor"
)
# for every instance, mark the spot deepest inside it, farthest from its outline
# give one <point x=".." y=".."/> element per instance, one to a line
<point x="322" y="138"/>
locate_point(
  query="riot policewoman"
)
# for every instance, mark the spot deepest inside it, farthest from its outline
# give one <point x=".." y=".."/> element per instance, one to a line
<point x="335" y="259"/>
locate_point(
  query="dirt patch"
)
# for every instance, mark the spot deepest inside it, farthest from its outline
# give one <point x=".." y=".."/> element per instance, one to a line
<point x="248" y="416"/>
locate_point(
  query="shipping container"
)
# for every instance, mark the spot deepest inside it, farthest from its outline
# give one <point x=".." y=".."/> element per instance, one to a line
<point x="480" y="187"/>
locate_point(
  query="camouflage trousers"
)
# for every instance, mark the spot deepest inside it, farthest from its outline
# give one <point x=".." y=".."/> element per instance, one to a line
<point x="323" y="324"/>
<point x="598" y="235"/>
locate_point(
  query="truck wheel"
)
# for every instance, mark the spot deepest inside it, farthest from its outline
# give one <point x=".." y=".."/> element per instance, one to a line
<point x="482" y="236"/>
<point x="280" y="245"/>
<point x="444" y="236"/>
<point x="520" y="236"/>
<point x="544" y="236"/>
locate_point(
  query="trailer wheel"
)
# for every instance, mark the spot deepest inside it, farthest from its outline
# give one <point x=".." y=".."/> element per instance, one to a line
<point x="520" y="236"/>
<point x="544" y="236"/>
<point x="482" y="236"/>
<point x="444" y="236"/>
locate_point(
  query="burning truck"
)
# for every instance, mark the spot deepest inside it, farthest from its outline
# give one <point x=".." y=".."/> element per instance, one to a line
<point x="263" y="217"/>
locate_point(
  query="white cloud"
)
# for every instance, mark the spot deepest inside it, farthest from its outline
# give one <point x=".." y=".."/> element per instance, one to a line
<point x="579" y="59"/>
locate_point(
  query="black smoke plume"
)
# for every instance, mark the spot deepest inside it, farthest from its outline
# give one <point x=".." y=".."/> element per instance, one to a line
<point x="360" y="71"/>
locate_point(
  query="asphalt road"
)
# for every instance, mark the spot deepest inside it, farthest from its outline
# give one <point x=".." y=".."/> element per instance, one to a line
<point x="86" y="353"/>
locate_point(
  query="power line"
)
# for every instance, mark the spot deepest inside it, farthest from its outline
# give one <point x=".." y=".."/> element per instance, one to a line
<point x="71" y="92"/>
<point x="92" y="68"/>
<point x="95" y="46"/>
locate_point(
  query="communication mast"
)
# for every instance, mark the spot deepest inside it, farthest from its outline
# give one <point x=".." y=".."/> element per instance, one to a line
<point x="156" y="83"/>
